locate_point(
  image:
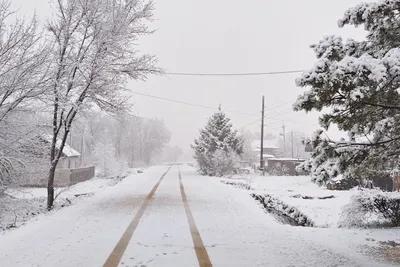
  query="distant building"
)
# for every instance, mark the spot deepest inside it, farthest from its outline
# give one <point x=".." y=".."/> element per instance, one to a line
<point x="69" y="156"/>
<point x="270" y="148"/>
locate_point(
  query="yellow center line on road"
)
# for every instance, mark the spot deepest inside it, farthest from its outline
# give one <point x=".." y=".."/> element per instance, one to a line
<point x="201" y="252"/>
<point x="116" y="255"/>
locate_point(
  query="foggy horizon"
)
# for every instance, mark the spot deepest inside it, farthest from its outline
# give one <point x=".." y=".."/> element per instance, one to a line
<point x="192" y="37"/>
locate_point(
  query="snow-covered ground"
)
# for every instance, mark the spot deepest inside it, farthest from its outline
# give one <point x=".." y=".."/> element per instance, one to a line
<point x="234" y="230"/>
<point x="300" y="192"/>
<point x="305" y="196"/>
<point x="22" y="204"/>
<point x="324" y="207"/>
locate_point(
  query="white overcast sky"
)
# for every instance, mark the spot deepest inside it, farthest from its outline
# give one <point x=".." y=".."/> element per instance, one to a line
<point x="230" y="36"/>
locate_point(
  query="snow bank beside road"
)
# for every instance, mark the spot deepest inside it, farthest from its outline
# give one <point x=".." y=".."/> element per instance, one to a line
<point x="301" y="193"/>
<point x="322" y="206"/>
<point x="22" y="204"/>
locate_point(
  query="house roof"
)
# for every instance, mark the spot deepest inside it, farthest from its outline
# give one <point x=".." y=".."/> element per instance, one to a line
<point x="68" y="151"/>
<point x="256" y="145"/>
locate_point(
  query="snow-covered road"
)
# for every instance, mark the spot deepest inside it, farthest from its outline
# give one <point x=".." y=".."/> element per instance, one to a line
<point x="233" y="228"/>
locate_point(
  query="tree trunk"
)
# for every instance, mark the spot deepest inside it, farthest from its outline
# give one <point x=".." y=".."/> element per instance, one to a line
<point x="50" y="187"/>
<point x="57" y="156"/>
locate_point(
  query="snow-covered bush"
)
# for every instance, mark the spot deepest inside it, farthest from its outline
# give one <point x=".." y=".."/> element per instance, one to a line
<point x="224" y="162"/>
<point x="370" y="207"/>
<point x="279" y="170"/>
<point x="389" y="206"/>
<point x="104" y="158"/>
<point x="282" y="209"/>
<point x="238" y="184"/>
<point x="9" y="168"/>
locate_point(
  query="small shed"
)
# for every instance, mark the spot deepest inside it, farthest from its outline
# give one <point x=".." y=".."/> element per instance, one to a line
<point x="69" y="159"/>
<point x="69" y="156"/>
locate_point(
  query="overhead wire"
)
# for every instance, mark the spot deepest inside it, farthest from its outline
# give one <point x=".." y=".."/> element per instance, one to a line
<point x="200" y="106"/>
<point x="190" y="104"/>
<point x="279" y="120"/>
<point x="230" y="74"/>
<point x="234" y="74"/>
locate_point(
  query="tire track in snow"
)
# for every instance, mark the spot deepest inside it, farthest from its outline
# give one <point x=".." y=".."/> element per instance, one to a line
<point x="116" y="255"/>
<point x="201" y="252"/>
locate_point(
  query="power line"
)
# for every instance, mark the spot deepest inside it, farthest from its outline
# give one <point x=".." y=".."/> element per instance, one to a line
<point x="285" y="111"/>
<point x="279" y="120"/>
<point x="214" y="108"/>
<point x="250" y="123"/>
<point x="191" y="104"/>
<point x="234" y="74"/>
<point x="296" y="122"/>
<point x="282" y="112"/>
<point x="280" y="105"/>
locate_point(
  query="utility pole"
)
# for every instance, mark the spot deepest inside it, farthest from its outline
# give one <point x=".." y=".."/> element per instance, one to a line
<point x="262" y="137"/>
<point x="291" y="135"/>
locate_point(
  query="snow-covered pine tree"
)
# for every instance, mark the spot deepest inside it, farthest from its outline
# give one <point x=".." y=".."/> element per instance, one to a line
<point x="218" y="136"/>
<point x="323" y="163"/>
<point x="358" y="83"/>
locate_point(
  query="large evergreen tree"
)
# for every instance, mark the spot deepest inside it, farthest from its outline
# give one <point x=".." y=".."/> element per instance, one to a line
<point x="218" y="146"/>
<point x="357" y="84"/>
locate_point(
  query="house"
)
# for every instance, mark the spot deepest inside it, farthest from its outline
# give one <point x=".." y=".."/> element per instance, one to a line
<point x="270" y="148"/>
<point x="69" y="157"/>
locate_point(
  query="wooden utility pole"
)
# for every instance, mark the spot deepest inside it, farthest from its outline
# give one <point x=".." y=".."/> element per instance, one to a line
<point x="262" y="137"/>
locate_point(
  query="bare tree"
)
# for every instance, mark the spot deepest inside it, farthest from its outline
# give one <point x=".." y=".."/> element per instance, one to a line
<point x="23" y="61"/>
<point x="124" y="139"/>
<point x="95" y="56"/>
<point x="24" y="65"/>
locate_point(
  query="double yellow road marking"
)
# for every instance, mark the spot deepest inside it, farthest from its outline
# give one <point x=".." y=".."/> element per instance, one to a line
<point x="116" y="255"/>
<point x="119" y="250"/>
<point x="201" y="252"/>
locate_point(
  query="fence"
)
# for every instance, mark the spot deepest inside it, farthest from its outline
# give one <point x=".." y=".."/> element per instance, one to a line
<point x="396" y="181"/>
<point x="67" y="177"/>
<point x="81" y="174"/>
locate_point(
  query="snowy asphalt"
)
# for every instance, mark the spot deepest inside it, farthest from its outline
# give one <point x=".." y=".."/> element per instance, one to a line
<point x="145" y="221"/>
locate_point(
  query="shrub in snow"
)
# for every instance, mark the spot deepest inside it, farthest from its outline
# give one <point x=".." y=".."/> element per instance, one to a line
<point x="9" y="168"/>
<point x="15" y="212"/>
<point x="105" y="160"/>
<point x="279" y="170"/>
<point x="356" y="84"/>
<point x="224" y="162"/>
<point x="370" y="207"/>
<point x="239" y="184"/>
<point x="389" y="207"/>
<point x="339" y="183"/>
<point x="219" y="147"/>
<point x="282" y="209"/>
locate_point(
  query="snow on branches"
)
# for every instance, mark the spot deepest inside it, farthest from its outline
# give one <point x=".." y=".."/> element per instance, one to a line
<point x="357" y="83"/>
